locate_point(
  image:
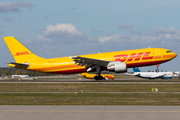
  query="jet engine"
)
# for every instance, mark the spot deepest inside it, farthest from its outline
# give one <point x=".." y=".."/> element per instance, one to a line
<point x="117" y="67"/>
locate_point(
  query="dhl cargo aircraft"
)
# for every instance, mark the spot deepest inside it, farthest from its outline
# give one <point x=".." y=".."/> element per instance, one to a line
<point x="113" y="61"/>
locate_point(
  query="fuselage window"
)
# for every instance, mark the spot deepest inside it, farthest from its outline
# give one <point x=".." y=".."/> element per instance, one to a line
<point x="168" y="51"/>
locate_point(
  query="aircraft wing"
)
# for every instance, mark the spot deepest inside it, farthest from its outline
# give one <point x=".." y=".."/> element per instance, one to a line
<point x="158" y="76"/>
<point x="21" y="65"/>
<point x="129" y="73"/>
<point x="137" y="74"/>
<point x="90" y="63"/>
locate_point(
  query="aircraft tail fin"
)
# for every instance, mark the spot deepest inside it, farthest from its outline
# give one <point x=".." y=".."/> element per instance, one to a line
<point x="136" y="69"/>
<point x="20" y="53"/>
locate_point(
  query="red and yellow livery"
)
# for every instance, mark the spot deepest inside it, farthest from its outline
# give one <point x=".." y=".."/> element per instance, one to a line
<point x="67" y="65"/>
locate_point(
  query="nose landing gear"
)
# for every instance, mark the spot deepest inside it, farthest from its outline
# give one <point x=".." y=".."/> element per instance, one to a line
<point x="157" y="70"/>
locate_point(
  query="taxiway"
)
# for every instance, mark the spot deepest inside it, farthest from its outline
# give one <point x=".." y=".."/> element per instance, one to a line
<point x="26" y="112"/>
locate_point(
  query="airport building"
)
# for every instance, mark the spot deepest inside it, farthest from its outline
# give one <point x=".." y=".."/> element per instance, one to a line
<point x="19" y="76"/>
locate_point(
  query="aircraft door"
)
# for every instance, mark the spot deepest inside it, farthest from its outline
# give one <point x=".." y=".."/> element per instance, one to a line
<point x="157" y="54"/>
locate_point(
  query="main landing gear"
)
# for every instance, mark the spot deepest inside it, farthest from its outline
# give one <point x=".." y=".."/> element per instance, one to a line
<point x="98" y="71"/>
<point x="157" y="70"/>
<point x="98" y="77"/>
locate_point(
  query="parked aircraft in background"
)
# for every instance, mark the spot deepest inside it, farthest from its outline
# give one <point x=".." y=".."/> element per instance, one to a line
<point x="91" y="76"/>
<point x="152" y="75"/>
<point x="177" y="74"/>
<point x="113" y="61"/>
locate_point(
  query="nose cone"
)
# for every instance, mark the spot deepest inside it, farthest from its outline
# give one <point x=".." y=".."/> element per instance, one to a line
<point x="174" y="55"/>
<point x="170" y="56"/>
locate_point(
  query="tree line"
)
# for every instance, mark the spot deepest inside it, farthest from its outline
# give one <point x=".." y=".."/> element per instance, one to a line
<point x="7" y="71"/>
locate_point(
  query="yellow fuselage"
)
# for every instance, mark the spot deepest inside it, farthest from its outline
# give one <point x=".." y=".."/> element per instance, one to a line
<point x="133" y="58"/>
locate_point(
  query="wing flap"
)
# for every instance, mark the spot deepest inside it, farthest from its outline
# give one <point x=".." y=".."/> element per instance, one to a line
<point x="90" y="63"/>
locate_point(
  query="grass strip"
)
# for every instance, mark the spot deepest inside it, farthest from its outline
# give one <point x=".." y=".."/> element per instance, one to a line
<point x="89" y="99"/>
<point x="28" y="87"/>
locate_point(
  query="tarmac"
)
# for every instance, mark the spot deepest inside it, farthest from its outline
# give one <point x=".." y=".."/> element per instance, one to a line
<point x="89" y="112"/>
<point x="40" y="112"/>
<point x="92" y="82"/>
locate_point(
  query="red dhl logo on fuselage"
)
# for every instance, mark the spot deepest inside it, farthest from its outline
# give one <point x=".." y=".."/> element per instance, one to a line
<point x="22" y="53"/>
<point x="133" y="57"/>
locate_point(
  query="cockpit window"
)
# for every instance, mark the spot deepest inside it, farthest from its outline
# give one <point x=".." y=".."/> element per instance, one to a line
<point x="168" y="51"/>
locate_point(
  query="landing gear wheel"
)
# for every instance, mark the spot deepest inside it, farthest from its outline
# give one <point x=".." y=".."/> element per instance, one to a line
<point x="157" y="70"/>
<point x="105" y="78"/>
<point x="98" y="77"/>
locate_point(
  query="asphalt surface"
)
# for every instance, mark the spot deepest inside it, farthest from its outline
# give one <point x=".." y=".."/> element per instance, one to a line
<point x="92" y="82"/>
<point x="79" y="79"/>
<point x="27" y="112"/>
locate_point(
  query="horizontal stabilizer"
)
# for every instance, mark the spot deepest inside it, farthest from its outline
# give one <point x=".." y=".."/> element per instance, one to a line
<point x="20" y="65"/>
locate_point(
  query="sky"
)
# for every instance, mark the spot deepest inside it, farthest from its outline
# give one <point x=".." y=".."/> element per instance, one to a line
<point x="58" y="28"/>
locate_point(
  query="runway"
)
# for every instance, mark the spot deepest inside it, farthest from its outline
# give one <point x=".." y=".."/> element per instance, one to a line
<point x="75" y="79"/>
<point x="26" y="112"/>
<point x="93" y="82"/>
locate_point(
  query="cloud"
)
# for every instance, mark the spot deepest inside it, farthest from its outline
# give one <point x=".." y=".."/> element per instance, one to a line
<point x="54" y="42"/>
<point x="69" y="34"/>
<point x="41" y="38"/>
<point x="46" y="18"/>
<point x="66" y="33"/>
<point x="14" y="7"/>
<point x="1" y="32"/>
<point x="74" y="8"/>
<point x="166" y="31"/>
<point x="8" y="19"/>
<point x="2" y="27"/>
<point x="93" y="30"/>
<point x="49" y="47"/>
<point x="20" y="20"/>
<point x="119" y="41"/>
<point x="137" y="32"/>
<point x="161" y="37"/>
<point x="126" y="25"/>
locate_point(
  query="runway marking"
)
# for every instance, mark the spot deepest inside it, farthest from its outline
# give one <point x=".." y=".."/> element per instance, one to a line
<point x="90" y="82"/>
<point x="113" y="111"/>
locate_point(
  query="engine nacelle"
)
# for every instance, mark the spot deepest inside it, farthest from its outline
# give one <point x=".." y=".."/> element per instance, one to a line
<point x="117" y="67"/>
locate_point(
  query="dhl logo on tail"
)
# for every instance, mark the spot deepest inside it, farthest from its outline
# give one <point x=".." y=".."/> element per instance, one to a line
<point x="22" y="53"/>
